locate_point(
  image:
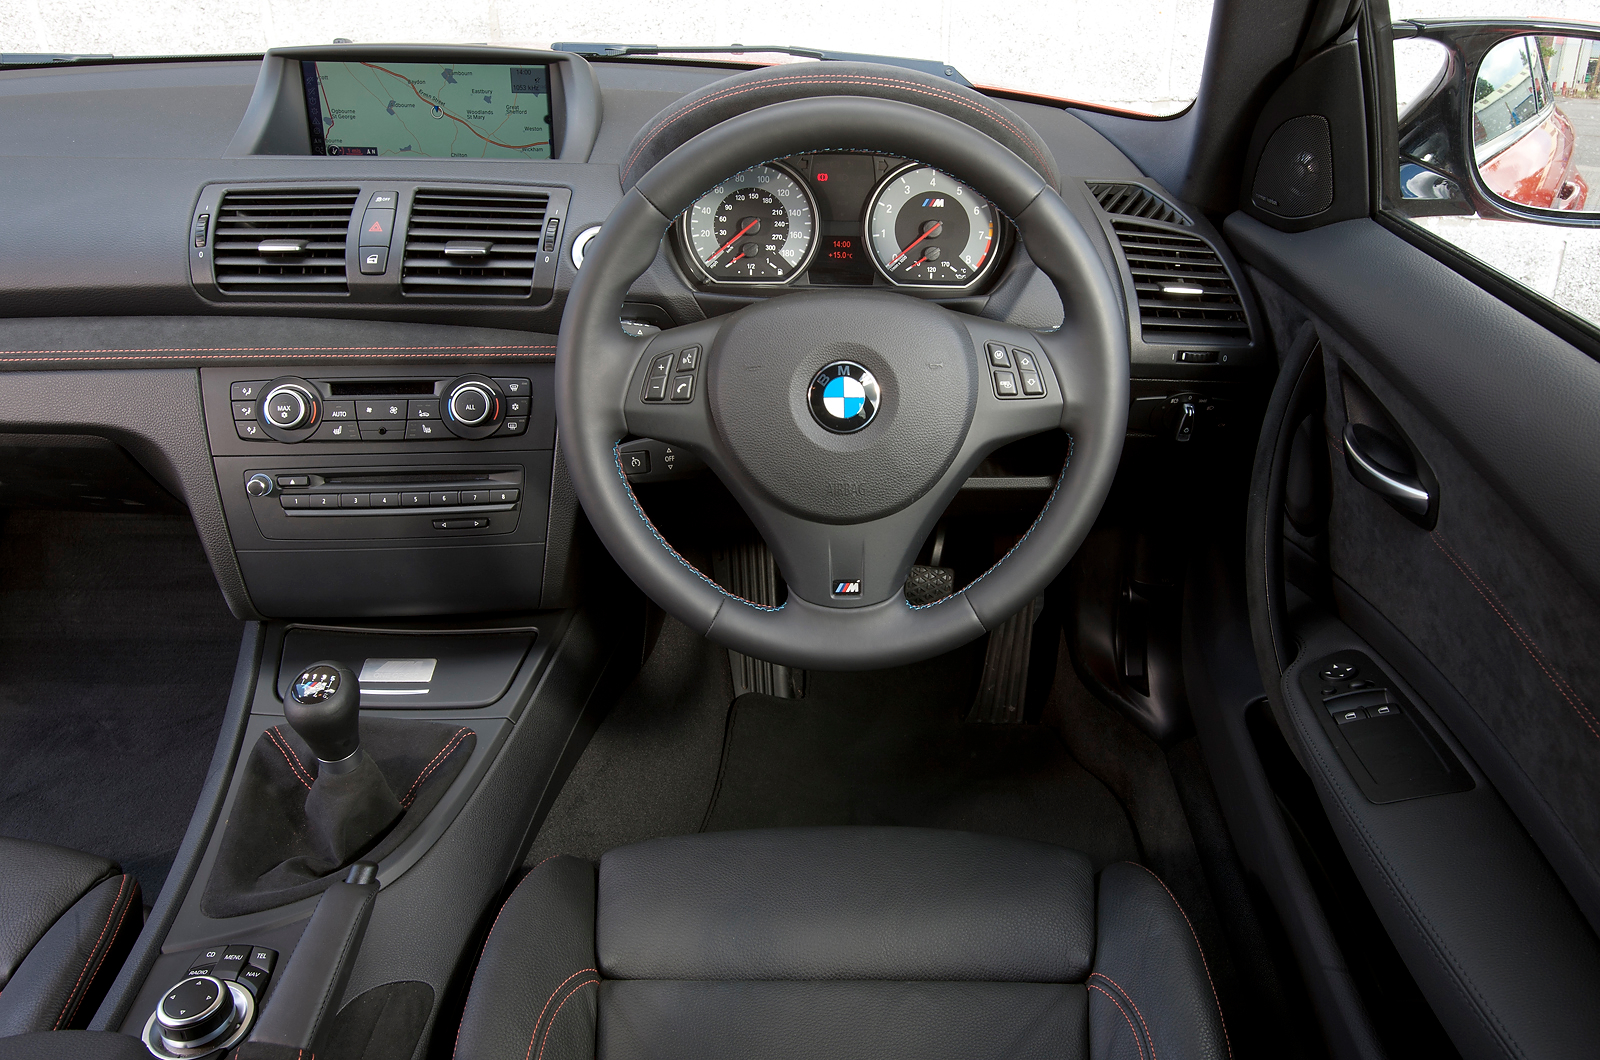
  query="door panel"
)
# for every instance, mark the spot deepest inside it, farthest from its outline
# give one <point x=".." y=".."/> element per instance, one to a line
<point x="1477" y="614"/>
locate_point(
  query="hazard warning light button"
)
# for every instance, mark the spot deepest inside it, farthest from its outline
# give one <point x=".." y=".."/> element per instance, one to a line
<point x="376" y="225"/>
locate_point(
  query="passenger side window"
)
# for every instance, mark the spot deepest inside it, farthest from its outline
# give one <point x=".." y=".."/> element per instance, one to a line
<point x="1499" y="137"/>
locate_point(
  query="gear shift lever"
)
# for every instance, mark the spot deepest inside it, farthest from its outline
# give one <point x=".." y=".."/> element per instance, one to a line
<point x="324" y="707"/>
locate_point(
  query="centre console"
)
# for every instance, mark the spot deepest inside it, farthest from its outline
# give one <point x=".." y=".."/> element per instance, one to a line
<point x="385" y="491"/>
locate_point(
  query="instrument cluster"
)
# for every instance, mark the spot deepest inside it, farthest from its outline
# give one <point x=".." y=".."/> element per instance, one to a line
<point x="843" y="220"/>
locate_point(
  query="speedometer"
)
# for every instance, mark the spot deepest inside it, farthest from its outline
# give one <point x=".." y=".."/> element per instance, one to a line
<point x="758" y="226"/>
<point x="927" y="229"/>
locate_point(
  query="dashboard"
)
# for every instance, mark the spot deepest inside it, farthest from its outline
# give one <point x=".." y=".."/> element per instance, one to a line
<point x="315" y="295"/>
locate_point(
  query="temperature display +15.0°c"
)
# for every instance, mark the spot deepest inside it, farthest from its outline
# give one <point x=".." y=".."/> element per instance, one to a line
<point x="927" y="229"/>
<point x="758" y="226"/>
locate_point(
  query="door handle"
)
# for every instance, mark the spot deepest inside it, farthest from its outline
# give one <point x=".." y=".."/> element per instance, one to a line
<point x="1402" y="490"/>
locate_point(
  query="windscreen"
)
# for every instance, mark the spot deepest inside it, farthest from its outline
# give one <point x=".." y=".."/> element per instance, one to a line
<point x="1139" y="55"/>
<point x="428" y="110"/>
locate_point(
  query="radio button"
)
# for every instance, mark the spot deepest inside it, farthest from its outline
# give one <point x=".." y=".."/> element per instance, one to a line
<point x="337" y="432"/>
<point x="425" y="409"/>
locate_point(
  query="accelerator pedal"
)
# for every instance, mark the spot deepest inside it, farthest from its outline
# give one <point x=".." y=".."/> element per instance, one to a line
<point x="749" y="571"/>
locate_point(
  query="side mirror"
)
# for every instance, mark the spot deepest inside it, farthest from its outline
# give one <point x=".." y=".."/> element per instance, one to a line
<point x="1499" y="119"/>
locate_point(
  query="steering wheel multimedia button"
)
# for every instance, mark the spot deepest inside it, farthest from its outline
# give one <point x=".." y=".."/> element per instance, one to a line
<point x="683" y="387"/>
<point x="1005" y="384"/>
<point x="688" y="359"/>
<point x="998" y="357"/>
<point x="1032" y="385"/>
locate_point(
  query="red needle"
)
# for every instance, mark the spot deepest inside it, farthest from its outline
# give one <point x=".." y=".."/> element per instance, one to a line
<point x="919" y="261"/>
<point x="732" y="260"/>
<point x="741" y="232"/>
<point x="932" y="231"/>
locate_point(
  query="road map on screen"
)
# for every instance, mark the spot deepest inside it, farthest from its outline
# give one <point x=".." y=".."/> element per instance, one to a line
<point x="428" y="110"/>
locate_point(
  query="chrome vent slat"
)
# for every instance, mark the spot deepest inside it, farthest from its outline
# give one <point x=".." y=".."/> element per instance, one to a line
<point x="1159" y="256"/>
<point x="245" y="219"/>
<point x="512" y="223"/>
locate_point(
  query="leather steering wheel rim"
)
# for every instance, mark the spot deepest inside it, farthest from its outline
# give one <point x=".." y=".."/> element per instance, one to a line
<point x="598" y="368"/>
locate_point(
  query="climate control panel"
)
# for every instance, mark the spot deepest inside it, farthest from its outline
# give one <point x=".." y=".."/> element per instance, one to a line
<point x="291" y="409"/>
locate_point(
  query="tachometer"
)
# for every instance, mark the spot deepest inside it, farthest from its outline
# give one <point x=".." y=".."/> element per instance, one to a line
<point x="927" y="229"/>
<point x="758" y="226"/>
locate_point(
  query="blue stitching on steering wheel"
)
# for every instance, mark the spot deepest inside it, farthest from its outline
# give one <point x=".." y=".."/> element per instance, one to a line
<point x="616" y="456"/>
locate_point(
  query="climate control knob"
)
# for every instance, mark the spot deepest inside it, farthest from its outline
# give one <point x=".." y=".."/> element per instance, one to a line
<point x="474" y="406"/>
<point x="471" y="404"/>
<point x="291" y="409"/>
<point x="288" y="407"/>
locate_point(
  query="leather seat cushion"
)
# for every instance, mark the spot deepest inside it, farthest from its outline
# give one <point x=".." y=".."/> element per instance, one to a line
<point x="840" y="942"/>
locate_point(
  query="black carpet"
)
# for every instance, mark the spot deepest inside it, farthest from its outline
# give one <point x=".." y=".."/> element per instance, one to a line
<point x="651" y="766"/>
<point x="890" y="747"/>
<point x="116" y="658"/>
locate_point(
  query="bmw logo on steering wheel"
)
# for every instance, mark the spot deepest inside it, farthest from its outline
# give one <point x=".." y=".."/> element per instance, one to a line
<point x="844" y="397"/>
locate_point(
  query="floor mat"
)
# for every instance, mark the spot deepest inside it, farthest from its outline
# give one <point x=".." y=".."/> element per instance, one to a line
<point x="890" y="748"/>
<point x="116" y="659"/>
<point x="651" y="766"/>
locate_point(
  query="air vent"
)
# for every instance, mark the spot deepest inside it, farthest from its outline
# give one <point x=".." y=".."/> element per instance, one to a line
<point x="473" y="242"/>
<point x="282" y="241"/>
<point x="1135" y="200"/>
<point x="1185" y="292"/>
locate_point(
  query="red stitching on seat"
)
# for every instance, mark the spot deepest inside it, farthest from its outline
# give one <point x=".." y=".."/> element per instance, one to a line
<point x="121" y="886"/>
<point x="833" y="79"/>
<point x="1199" y="949"/>
<point x="1523" y="637"/>
<point x="485" y="947"/>
<point x="559" y="1007"/>
<point x="1131" y="1029"/>
<point x="557" y="1012"/>
<point x="284" y="749"/>
<point x="444" y="752"/>
<point x="1136" y="1011"/>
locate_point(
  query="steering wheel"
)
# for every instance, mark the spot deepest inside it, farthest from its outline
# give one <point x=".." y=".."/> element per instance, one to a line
<point x="843" y="479"/>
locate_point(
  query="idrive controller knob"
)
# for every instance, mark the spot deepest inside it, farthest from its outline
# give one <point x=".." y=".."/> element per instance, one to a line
<point x="474" y="406"/>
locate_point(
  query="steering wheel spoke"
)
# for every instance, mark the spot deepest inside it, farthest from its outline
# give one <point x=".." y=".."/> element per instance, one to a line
<point x="666" y="397"/>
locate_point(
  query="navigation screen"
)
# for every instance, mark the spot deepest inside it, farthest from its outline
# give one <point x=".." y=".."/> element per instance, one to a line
<point x="428" y="110"/>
